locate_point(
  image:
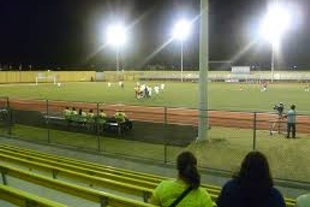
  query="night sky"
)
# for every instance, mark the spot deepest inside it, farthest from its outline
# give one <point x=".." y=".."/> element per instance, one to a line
<point x="70" y="33"/>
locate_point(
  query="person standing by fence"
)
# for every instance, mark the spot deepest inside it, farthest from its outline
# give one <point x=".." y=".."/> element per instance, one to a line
<point x="291" y="122"/>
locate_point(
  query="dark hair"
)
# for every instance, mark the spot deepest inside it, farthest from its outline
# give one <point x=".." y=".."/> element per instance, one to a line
<point x="187" y="167"/>
<point x="255" y="179"/>
<point x="293" y="107"/>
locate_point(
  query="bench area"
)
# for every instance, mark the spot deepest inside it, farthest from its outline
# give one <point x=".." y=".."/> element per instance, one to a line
<point x="105" y="185"/>
<point x="109" y="125"/>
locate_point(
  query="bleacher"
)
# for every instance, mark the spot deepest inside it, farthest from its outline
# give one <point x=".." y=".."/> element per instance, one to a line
<point x="105" y="185"/>
<point x="21" y="198"/>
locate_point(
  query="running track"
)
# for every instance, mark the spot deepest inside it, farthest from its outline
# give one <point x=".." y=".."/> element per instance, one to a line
<point x="183" y="116"/>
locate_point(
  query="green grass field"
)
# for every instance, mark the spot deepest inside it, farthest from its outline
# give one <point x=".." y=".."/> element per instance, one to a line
<point x="221" y="96"/>
<point x="288" y="158"/>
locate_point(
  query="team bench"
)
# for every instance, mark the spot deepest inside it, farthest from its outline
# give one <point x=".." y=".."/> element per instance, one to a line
<point x="110" y="124"/>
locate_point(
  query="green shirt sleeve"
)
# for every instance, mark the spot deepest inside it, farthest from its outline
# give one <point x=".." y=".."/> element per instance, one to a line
<point x="168" y="191"/>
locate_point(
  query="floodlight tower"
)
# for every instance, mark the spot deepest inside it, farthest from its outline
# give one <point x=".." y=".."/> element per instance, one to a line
<point x="275" y="23"/>
<point x="181" y="32"/>
<point x="203" y="70"/>
<point x="116" y="37"/>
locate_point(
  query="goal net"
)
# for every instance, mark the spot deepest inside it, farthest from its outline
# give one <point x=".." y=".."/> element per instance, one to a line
<point x="46" y="78"/>
<point x="240" y="74"/>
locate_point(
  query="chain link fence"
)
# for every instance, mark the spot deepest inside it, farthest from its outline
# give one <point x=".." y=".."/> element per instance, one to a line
<point x="161" y="133"/>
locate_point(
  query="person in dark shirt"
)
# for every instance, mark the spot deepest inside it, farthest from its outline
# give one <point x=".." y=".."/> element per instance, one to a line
<point x="291" y="122"/>
<point x="251" y="186"/>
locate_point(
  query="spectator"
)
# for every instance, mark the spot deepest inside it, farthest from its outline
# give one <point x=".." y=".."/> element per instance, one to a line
<point x="252" y="186"/>
<point x="291" y="122"/>
<point x="102" y="114"/>
<point x="168" y="192"/>
<point x="74" y="115"/>
<point x="67" y="113"/>
<point x="90" y="114"/>
<point x="101" y="120"/>
<point x="120" y="117"/>
<point x="82" y="118"/>
<point x="74" y="112"/>
<point x="90" y="119"/>
<point x="303" y="200"/>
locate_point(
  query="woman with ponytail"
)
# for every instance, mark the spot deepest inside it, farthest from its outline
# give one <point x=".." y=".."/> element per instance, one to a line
<point x="184" y="191"/>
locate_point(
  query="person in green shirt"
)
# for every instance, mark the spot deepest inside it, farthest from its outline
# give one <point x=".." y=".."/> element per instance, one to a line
<point x="188" y="176"/>
<point x="90" y="119"/>
<point x="101" y="120"/>
<point x="74" y="115"/>
<point x="82" y="117"/>
<point x="67" y="113"/>
<point x="303" y="200"/>
<point x="120" y="117"/>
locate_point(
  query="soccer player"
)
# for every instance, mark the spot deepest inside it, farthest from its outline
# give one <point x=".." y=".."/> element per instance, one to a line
<point x="162" y="86"/>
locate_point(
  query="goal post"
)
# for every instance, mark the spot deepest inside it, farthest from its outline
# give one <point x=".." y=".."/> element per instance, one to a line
<point x="241" y="74"/>
<point x="46" y="78"/>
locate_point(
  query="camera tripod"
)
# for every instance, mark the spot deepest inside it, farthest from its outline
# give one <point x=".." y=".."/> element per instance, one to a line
<point x="277" y="125"/>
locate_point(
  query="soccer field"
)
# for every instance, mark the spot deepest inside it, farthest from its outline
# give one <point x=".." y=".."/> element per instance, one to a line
<point x="230" y="143"/>
<point x="221" y="96"/>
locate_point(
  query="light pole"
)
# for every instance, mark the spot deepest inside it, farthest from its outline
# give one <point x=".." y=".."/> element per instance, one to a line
<point x="181" y="31"/>
<point x="117" y="37"/>
<point x="203" y="71"/>
<point x="117" y="59"/>
<point x="273" y="50"/>
<point x="275" y="23"/>
<point x="182" y="61"/>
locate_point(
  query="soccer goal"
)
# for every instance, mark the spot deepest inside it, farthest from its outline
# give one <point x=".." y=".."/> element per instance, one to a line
<point x="44" y="78"/>
<point x="241" y="73"/>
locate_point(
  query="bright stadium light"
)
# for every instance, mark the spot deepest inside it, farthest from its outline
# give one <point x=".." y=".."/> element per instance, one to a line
<point x="274" y="25"/>
<point x="181" y="31"/>
<point x="117" y="37"/>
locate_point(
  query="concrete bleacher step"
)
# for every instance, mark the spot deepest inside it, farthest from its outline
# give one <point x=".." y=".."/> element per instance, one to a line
<point x="121" y="175"/>
<point x="21" y="198"/>
<point x="83" y="179"/>
<point x="93" y="195"/>
<point x="136" y="179"/>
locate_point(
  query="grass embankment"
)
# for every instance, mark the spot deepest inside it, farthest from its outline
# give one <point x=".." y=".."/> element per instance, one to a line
<point x="224" y="149"/>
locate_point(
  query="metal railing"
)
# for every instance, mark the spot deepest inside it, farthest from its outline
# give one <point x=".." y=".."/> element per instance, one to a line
<point x="160" y="133"/>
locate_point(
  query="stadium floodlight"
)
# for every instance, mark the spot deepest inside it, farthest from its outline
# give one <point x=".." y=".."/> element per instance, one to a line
<point x="274" y="25"/>
<point x="117" y="37"/>
<point x="181" y="31"/>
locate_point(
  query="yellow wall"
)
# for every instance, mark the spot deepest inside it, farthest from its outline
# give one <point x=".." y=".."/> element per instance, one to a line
<point x="136" y="75"/>
<point x="30" y="76"/>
